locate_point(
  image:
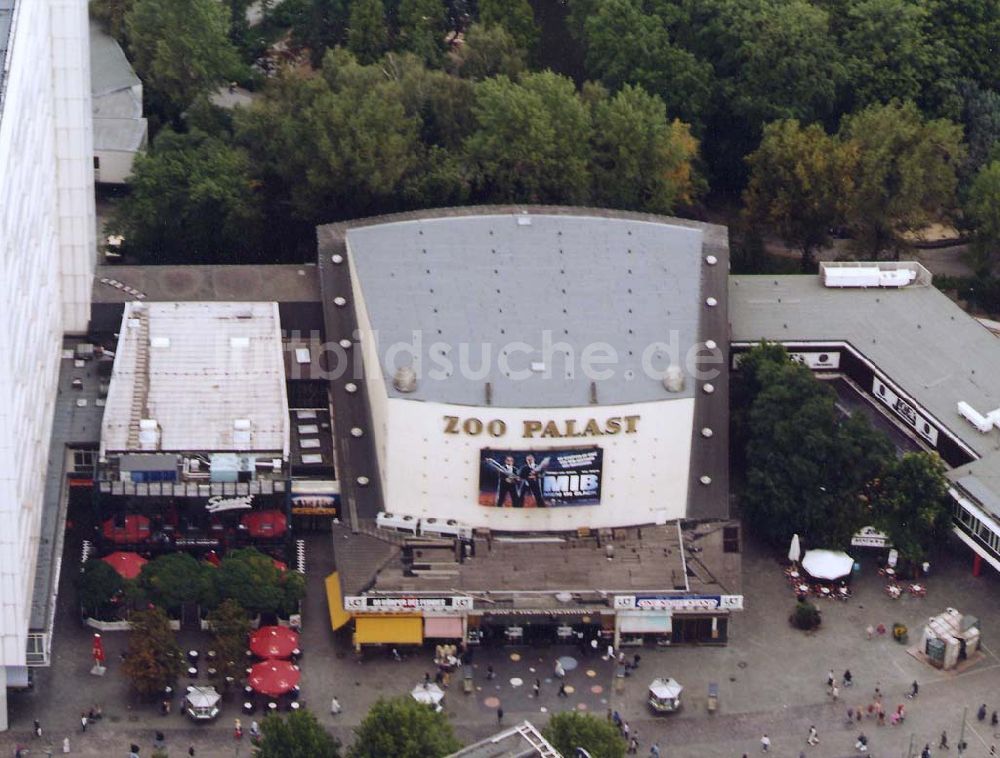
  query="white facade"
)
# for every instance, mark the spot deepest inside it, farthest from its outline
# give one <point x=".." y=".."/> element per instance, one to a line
<point x="47" y="258"/>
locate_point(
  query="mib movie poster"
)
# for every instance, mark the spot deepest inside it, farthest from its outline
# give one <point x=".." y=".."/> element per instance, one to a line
<point x="540" y="478"/>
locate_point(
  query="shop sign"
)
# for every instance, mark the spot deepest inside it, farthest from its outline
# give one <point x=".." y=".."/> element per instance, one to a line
<point x="679" y="602"/>
<point x="219" y="503"/>
<point x="869" y="536"/>
<point x="904" y="411"/>
<point x="378" y="604"/>
<point x="544" y="428"/>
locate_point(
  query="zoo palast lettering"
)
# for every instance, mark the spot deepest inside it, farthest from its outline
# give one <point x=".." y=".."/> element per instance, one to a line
<point x="531" y="429"/>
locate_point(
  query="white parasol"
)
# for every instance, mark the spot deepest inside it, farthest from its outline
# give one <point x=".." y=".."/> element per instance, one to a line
<point x="202" y="697"/>
<point x="429" y="694"/>
<point x="827" y="564"/>
<point x="794" y="550"/>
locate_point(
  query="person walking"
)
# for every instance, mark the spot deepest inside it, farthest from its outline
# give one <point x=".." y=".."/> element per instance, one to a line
<point x="490" y="673"/>
<point x="980" y="714"/>
<point x="926" y="752"/>
<point x="829" y="678"/>
<point x="37" y="729"/>
<point x="633" y="746"/>
<point x="914" y="689"/>
<point x="191" y="751"/>
<point x="993" y="719"/>
<point x="835" y="693"/>
<point x="83" y="722"/>
<point x="499" y="714"/>
<point x="537" y="688"/>
<point x="813" y="737"/>
<point x="869" y="631"/>
<point x="654" y="750"/>
<point x="943" y="744"/>
<point x="848" y="679"/>
<point x="625" y="730"/>
<point x="765" y="743"/>
<point x="562" y="690"/>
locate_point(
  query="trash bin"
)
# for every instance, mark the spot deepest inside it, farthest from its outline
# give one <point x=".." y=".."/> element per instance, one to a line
<point x="467" y="686"/>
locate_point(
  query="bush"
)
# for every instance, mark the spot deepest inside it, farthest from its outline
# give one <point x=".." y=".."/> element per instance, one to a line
<point x="806" y="616"/>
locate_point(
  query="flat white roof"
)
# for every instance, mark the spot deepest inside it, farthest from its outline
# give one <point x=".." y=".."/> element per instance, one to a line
<point x="207" y="373"/>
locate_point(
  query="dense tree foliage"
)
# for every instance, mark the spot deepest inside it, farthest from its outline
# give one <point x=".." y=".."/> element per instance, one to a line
<point x="192" y="200"/>
<point x="297" y="735"/>
<point x="230" y="627"/>
<point x="982" y="209"/>
<point x="403" y="728"/>
<point x="571" y="730"/>
<point x="180" y="48"/>
<point x="153" y="660"/>
<point x="251" y="579"/>
<point x="906" y="173"/>
<point x="96" y="585"/>
<point x="806" y="467"/>
<point x="911" y="504"/>
<point x="175" y="579"/>
<point x="371" y="106"/>
<point x="800" y="179"/>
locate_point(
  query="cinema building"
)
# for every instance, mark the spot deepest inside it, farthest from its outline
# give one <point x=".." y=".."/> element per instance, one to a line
<point x="540" y="429"/>
<point x="897" y="348"/>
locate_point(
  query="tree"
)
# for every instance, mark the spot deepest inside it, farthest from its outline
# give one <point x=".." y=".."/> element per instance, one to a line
<point x="982" y="209"/>
<point x="317" y="25"/>
<point x="981" y="119"/>
<point x="905" y="177"/>
<point x="230" y="628"/>
<point x="299" y="735"/>
<point x="969" y="27"/>
<point x="800" y="179"/>
<point x="488" y="51"/>
<point x="911" y="504"/>
<point x="153" y="660"/>
<point x="422" y="27"/>
<point x="531" y="141"/>
<point x="807" y="470"/>
<point x="889" y="51"/>
<point x="112" y="13"/>
<point x="251" y="579"/>
<point x="96" y="584"/>
<point x="403" y="728"/>
<point x="192" y="200"/>
<point x="367" y="32"/>
<point x="173" y="580"/>
<point x="626" y="45"/>
<point x="641" y="160"/>
<point x="571" y="730"/>
<point x="516" y="16"/>
<point x="181" y="48"/>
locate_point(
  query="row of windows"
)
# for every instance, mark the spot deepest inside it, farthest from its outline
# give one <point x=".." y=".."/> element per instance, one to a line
<point x="978" y="528"/>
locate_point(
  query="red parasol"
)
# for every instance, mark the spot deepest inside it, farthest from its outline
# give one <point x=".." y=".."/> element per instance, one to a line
<point x="273" y="678"/>
<point x="269" y="523"/>
<point x="128" y="565"/>
<point x="136" y="529"/>
<point x="97" y="651"/>
<point x="274" y="642"/>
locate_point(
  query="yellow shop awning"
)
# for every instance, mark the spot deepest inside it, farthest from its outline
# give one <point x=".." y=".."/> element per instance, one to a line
<point x="389" y="630"/>
<point x="335" y="599"/>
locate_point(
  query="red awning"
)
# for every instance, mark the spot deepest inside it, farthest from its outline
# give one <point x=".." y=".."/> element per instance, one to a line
<point x="265" y="523"/>
<point x="273" y="678"/>
<point x="135" y="529"/>
<point x="128" y="565"/>
<point x="273" y="642"/>
<point x="443" y="628"/>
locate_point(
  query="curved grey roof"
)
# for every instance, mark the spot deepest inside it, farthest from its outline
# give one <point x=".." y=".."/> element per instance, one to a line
<point x="508" y="285"/>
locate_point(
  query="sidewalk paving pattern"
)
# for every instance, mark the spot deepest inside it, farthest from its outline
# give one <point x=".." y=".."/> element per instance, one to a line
<point x="771" y="678"/>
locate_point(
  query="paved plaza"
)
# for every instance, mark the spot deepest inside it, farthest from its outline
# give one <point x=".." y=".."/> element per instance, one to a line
<point x="771" y="678"/>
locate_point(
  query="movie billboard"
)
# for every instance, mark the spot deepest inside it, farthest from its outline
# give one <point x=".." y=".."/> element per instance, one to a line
<point x="540" y="478"/>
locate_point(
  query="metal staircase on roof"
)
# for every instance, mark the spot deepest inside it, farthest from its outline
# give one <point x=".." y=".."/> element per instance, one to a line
<point x="140" y="387"/>
<point x="538" y="742"/>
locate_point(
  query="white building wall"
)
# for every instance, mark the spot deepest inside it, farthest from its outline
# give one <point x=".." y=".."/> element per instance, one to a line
<point x="46" y="257"/>
<point x="70" y="51"/>
<point x="115" y="166"/>
<point x="429" y="472"/>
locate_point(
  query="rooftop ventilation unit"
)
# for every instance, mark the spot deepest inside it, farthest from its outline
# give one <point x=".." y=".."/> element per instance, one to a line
<point x="405" y="379"/>
<point x="868" y="275"/>
<point x="983" y="423"/>
<point x="239" y="343"/>
<point x="302" y="355"/>
<point x="149" y="434"/>
<point x="673" y="379"/>
<point x="241" y="433"/>
<point x="159" y="342"/>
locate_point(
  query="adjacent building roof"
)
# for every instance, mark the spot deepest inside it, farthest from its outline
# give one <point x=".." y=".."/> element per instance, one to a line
<point x="915" y="335"/>
<point x="211" y="375"/>
<point x="519" y="741"/>
<point x="511" y="283"/>
<point x="110" y="70"/>
<point x="119" y="134"/>
<point x="283" y="283"/>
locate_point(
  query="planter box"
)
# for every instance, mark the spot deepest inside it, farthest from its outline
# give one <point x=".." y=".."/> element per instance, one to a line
<point x="107" y="626"/>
